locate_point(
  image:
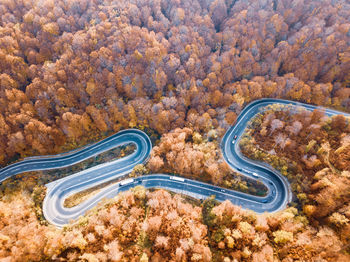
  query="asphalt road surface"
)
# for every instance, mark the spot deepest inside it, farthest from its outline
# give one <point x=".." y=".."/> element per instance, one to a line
<point x="278" y="196"/>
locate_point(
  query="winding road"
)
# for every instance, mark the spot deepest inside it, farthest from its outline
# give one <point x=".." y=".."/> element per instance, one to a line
<point x="278" y="196"/>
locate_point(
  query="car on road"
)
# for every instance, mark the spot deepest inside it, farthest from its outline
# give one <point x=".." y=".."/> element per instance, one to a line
<point x="126" y="182"/>
<point x="177" y="178"/>
<point x="255" y="175"/>
<point x="234" y="139"/>
<point x="239" y="169"/>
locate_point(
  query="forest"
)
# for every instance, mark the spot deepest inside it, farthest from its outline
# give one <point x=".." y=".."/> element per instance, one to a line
<point x="313" y="151"/>
<point x="74" y="72"/>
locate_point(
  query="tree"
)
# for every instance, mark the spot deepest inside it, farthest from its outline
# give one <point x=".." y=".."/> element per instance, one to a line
<point x="276" y="124"/>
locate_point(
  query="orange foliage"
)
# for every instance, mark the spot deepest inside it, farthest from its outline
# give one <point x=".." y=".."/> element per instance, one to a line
<point x="186" y="153"/>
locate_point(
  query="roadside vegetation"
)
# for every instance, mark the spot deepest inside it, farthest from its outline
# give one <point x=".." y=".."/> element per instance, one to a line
<point x="142" y="225"/>
<point x="313" y="151"/>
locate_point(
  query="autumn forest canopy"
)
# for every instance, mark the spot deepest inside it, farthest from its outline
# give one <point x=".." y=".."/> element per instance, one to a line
<point x="73" y="72"/>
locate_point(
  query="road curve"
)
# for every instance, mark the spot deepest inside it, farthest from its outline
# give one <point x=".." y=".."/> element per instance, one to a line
<point x="278" y="196"/>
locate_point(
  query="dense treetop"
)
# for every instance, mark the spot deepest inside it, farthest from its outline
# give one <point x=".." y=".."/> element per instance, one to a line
<point x="71" y="70"/>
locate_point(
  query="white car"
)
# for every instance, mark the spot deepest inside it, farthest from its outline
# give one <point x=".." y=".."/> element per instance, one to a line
<point x="234" y="139"/>
<point x="255" y="175"/>
<point x="177" y="178"/>
<point x="126" y="181"/>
